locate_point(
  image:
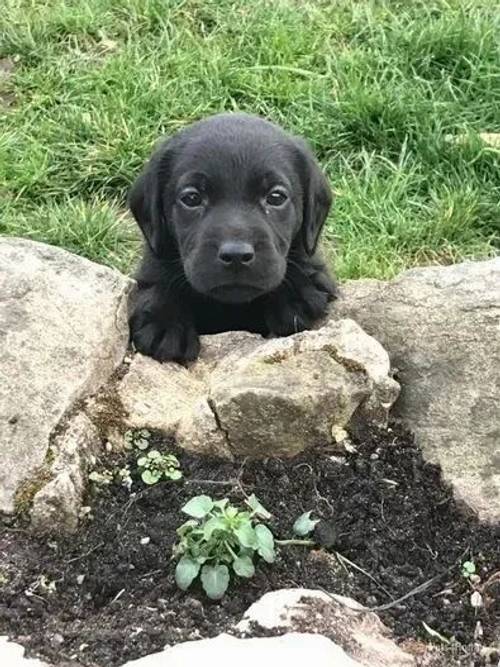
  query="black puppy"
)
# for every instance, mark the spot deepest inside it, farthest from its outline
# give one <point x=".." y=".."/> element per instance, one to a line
<point x="231" y="209"/>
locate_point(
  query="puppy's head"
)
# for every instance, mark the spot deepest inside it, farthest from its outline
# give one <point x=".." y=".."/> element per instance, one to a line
<point x="232" y="196"/>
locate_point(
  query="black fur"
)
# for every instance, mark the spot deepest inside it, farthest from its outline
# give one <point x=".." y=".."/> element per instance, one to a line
<point x="218" y="186"/>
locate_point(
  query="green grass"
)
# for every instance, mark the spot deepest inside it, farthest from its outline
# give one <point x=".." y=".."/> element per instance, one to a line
<point x="376" y="86"/>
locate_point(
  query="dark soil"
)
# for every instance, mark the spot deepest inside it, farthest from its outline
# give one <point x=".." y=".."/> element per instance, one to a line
<point x="103" y="597"/>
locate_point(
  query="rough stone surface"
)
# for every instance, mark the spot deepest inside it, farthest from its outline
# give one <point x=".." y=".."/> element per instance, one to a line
<point x="361" y="634"/>
<point x="12" y="655"/>
<point x="250" y="396"/>
<point x="158" y="395"/>
<point x="59" y="501"/>
<point x="293" y="650"/>
<point x="63" y="330"/>
<point x="441" y="326"/>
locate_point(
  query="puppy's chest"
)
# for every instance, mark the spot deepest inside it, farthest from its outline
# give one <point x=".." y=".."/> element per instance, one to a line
<point x="212" y="317"/>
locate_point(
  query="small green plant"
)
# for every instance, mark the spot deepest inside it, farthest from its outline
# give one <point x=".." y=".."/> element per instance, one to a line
<point x="139" y="439"/>
<point x="124" y="477"/>
<point x="155" y="466"/>
<point x="468" y="569"/>
<point x="101" y="478"/>
<point x="304" y="525"/>
<point x="219" y="540"/>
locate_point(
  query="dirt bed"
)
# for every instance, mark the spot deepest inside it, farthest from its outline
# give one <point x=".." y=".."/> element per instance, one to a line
<point x="108" y="595"/>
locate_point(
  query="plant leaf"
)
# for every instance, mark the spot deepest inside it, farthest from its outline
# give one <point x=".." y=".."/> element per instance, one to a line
<point x="215" y="580"/>
<point x="174" y="474"/>
<point x="198" y="507"/>
<point x="244" y="567"/>
<point x="141" y="443"/>
<point x="154" y="454"/>
<point x="468" y="568"/>
<point x="186" y="527"/>
<point x="304" y="524"/>
<point x="258" y="509"/>
<point x="265" y="541"/>
<point x="221" y="504"/>
<point x="215" y="523"/>
<point x="246" y="535"/>
<point x="142" y="461"/>
<point x="186" y="572"/>
<point x="150" y="477"/>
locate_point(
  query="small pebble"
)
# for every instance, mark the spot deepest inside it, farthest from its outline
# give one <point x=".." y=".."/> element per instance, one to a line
<point x="109" y="446"/>
<point x="338" y="433"/>
<point x="80" y="579"/>
<point x="145" y="540"/>
<point x="476" y="600"/>
<point x="339" y="460"/>
<point x="194" y="604"/>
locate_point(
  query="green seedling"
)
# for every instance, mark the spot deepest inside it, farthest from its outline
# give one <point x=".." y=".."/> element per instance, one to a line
<point x="217" y="537"/>
<point x="101" y="478"/>
<point x="155" y="466"/>
<point x="124" y="477"/>
<point x="304" y="525"/>
<point x="221" y="540"/>
<point x="468" y="569"/>
<point x="138" y="439"/>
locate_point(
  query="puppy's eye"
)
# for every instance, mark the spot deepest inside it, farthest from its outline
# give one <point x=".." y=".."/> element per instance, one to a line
<point x="276" y="197"/>
<point x="191" y="198"/>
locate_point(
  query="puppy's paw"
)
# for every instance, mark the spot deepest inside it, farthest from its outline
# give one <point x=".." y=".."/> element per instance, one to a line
<point x="165" y="341"/>
<point x="295" y="308"/>
<point x="326" y="285"/>
<point x="286" y="315"/>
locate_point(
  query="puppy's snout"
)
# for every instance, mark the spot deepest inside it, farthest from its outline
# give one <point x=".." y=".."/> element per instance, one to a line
<point x="236" y="253"/>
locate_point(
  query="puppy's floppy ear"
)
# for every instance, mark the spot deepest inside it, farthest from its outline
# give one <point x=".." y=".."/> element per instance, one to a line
<point x="146" y="198"/>
<point x="317" y="198"/>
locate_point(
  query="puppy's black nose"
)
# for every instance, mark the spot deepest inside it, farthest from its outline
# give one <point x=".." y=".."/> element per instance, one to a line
<point x="236" y="252"/>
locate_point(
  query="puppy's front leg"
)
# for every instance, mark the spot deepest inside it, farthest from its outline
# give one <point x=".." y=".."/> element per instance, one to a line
<point x="162" y="327"/>
<point x="301" y="299"/>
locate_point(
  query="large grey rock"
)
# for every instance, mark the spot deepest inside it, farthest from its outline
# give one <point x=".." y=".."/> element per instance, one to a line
<point x="58" y="503"/>
<point x="441" y="326"/>
<point x="310" y="627"/>
<point x="293" y="650"/>
<point x="12" y="655"/>
<point x="63" y="331"/>
<point x="249" y="396"/>
<point x="360" y="633"/>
